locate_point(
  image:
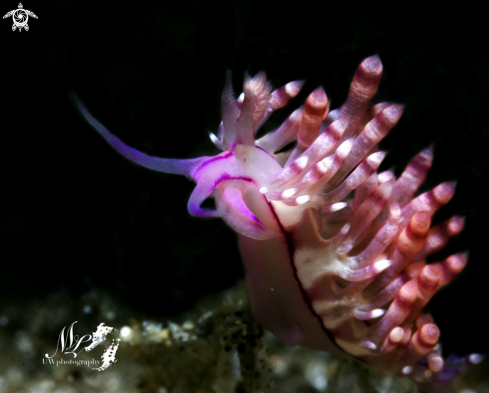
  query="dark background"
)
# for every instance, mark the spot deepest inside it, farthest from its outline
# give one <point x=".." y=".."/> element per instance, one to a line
<point x="75" y="215"/>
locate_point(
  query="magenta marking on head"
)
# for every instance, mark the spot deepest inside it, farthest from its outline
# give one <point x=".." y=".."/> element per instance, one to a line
<point x="210" y="161"/>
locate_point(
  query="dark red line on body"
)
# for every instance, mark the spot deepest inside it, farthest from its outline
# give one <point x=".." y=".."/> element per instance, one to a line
<point x="291" y="249"/>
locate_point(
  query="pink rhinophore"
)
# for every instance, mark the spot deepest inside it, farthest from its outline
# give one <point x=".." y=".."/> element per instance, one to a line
<point x="325" y="270"/>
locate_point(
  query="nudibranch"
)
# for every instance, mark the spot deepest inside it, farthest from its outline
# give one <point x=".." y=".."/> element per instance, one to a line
<point x="335" y="253"/>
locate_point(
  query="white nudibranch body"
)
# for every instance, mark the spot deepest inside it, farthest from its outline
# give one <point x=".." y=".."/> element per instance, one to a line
<point x="324" y="270"/>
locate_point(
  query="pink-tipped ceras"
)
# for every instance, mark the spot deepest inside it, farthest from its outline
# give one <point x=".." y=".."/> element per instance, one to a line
<point x="324" y="270"/>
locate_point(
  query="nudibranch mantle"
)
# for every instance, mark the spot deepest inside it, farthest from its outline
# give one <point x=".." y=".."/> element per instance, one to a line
<point x="326" y="270"/>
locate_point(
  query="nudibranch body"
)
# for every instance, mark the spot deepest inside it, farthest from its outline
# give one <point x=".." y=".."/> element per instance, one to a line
<point x="327" y="270"/>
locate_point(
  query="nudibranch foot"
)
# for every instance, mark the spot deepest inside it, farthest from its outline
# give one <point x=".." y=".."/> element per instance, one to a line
<point x="335" y="253"/>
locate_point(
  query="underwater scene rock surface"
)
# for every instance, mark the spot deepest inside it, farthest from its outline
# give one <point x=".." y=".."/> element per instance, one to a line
<point x="216" y="347"/>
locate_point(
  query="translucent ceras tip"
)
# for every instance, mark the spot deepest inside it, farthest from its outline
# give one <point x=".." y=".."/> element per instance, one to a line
<point x="382" y="265"/>
<point x="288" y="193"/>
<point x="455" y="225"/>
<point x="435" y="363"/>
<point x="365" y="315"/>
<point x="444" y="191"/>
<point x="301" y="162"/>
<point x="385" y="176"/>
<point x="293" y="88"/>
<point x="407" y="370"/>
<point x="377" y="313"/>
<point x="396" y="334"/>
<point x="214" y="139"/>
<point x="345" y="229"/>
<point x="377" y="158"/>
<point x="372" y="65"/>
<point x="475" y="358"/>
<point x="370" y="345"/>
<point x="364" y="273"/>
<point x="263" y="190"/>
<point x="395" y="209"/>
<point x="338" y="206"/>
<point x="303" y="199"/>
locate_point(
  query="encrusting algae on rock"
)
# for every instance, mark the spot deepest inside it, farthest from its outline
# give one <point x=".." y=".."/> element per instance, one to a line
<point x="217" y="347"/>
